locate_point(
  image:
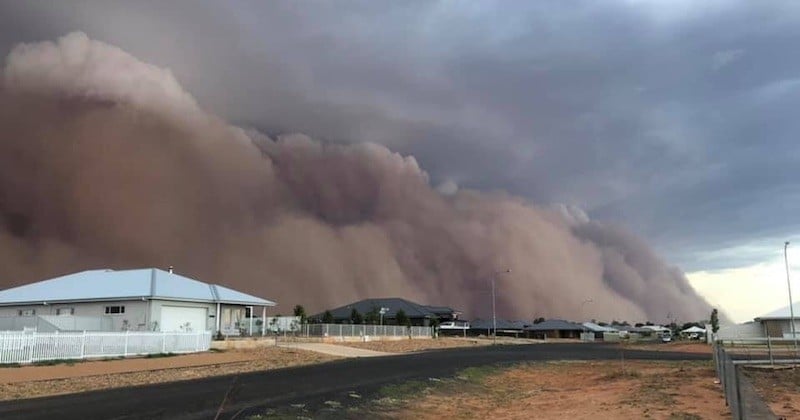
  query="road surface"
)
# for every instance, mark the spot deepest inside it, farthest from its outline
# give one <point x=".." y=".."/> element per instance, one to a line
<point x="252" y="393"/>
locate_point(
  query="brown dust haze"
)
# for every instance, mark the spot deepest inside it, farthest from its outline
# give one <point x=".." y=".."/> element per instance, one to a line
<point x="105" y="161"/>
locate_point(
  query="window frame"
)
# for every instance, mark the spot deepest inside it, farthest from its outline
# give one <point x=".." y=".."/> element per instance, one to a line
<point x="109" y="310"/>
<point x="71" y="311"/>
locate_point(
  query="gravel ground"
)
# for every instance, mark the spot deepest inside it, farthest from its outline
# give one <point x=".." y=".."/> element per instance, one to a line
<point x="411" y="345"/>
<point x="566" y="390"/>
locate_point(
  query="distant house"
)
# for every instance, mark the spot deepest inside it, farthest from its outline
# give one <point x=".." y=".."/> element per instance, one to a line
<point x="600" y="331"/>
<point x="694" y="332"/>
<point x="554" y="328"/>
<point x="417" y="314"/>
<point x="107" y="300"/>
<point x="505" y="327"/>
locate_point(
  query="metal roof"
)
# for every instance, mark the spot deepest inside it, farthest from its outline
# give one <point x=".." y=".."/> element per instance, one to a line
<point x="591" y="326"/>
<point x="106" y="284"/>
<point x="694" y="329"/>
<point x="411" y="309"/>
<point x="502" y="324"/>
<point x="555" y="324"/>
<point x="782" y="313"/>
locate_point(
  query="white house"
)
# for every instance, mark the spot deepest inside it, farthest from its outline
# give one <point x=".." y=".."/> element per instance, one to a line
<point x="777" y="323"/>
<point x="144" y="299"/>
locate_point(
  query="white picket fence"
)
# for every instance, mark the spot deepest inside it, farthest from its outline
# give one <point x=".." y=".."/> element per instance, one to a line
<point x="29" y="347"/>
<point x="355" y="330"/>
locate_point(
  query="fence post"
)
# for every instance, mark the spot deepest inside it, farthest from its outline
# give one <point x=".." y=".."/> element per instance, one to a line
<point x="769" y="349"/>
<point x="32" y="345"/>
<point x="83" y="345"/>
<point x="197" y="342"/>
<point x="125" y="351"/>
<point x="738" y="393"/>
<point x="163" y="342"/>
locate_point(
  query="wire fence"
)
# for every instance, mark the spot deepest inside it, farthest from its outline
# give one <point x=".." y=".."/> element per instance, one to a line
<point x="740" y="394"/>
<point x="30" y="347"/>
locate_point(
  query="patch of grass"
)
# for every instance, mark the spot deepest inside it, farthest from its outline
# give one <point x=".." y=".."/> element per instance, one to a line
<point x="403" y="390"/>
<point x="159" y="355"/>
<point x="684" y="416"/>
<point x="10" y="365"/>
<point x="68" y="362"/>
<point x="621" y="374"/>
<point x="477" y="375"/>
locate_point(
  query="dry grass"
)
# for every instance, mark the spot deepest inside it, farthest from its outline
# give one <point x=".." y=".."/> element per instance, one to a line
<point x="260" y="359"/>
<point x="568" y="390"/>
<point x="779" y="388"/>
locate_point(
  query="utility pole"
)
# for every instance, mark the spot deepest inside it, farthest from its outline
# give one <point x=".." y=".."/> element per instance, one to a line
<point x="789" y="285"/>
<point x="494" y="316"/>
<point x="494" y="313"/>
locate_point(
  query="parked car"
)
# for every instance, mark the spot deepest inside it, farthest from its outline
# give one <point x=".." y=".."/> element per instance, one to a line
<point x="666" y="337"/>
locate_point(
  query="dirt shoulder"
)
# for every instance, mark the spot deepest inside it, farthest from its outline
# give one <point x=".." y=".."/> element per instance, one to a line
<point x="780" y="388"/>
<point x="412" y="345"/>
<point x="29" y="381"/>
<point x="679" y="346"/>
<point x="573" y="390"/>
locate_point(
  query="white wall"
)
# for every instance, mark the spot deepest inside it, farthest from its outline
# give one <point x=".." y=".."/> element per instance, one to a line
<point x="135" y="316"/>
<point x="741" y="331"/>
<point x="140" y="315"/>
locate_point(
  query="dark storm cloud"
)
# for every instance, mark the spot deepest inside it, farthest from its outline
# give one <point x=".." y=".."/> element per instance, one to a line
<point x="674" y="117"/>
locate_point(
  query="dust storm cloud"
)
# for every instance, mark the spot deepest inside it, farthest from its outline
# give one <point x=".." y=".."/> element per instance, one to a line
<point x="105" y="161"/>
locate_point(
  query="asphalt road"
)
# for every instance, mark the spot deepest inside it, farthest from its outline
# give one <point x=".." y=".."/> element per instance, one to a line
<point x="253" y="392"/>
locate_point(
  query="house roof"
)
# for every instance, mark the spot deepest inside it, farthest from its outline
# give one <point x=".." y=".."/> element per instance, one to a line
<point x="782" y="313"/>
<point x="502" y="324"/>
<point x="440" y="310"/>
<point x="411" y="309"/>
<point x="640" y="330"/>
<point x="555" y="324"/>
<point x="591" y="326"/>
<point x="694" y="329"/>
<point x="106" y="284"/>
<point x="658" y="328"/>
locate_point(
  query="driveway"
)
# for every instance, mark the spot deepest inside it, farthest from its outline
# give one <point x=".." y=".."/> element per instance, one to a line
<point x="335" y="350"/>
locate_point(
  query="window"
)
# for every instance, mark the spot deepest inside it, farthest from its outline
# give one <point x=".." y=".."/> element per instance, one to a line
<point x="65" y="311"/>
<point x="27" y="312"/>
<point x="115" y="310"/>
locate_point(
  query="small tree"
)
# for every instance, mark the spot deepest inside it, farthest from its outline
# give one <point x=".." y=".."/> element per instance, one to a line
<point x="327" y="317"/>
<point x="714" y="321"/>
<point x="434" y="325"/>
<point x="300" y="311"/>
<point x="273" y="324"/>
<point x="538" y="320"/>
<point x="373" y="316"/>
<point x="355" y="317"/>
<point x="401" y="318"/>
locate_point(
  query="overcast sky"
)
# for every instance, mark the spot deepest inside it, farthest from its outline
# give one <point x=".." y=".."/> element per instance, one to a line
<point x="675" y="118"/>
